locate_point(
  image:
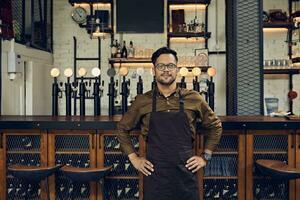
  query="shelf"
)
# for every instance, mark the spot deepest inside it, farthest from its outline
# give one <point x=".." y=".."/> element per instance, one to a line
<point x="112" y="152"/>
<point x="189" y="2"/>
<point x="225" y="152"/>
<point x="262" y="177"/>
<point x="129" y="60"/>
<point x="281" y="71"/>
<point x="270" y="152"/>
<point x="23" y="152"/>
<point x="122" y="177"/>
<point x="286" y="25"/>
<point x="72" y="152"/>
<point x="219" y="177"/>
<point x="189" y="34"/>
<point x="72" y="2"/>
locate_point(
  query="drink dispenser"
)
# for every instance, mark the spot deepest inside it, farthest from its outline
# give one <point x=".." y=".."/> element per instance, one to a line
<point x="183" y="72"/>
<point x="139" y="88"/>
<point x="97" y="91"/>
<point x="196" y="73"/>
<point x="55" y="91"/>
<point x="82" y="90"/>
<point x="68" y="90"/>
<point x="125" y="89"/>
<point x="211" y="87"/>
<point x="111" y="91"/>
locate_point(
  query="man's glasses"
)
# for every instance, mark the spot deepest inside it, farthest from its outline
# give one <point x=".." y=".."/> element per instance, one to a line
<point x="162" y="67"/>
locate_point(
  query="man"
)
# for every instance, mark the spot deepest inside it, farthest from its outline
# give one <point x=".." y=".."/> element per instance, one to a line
<point x="168" y="117"/>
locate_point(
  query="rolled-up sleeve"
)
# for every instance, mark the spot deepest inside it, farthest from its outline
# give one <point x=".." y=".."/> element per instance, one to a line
<point x="212" y="124"/>
<point x="126" y="124"/>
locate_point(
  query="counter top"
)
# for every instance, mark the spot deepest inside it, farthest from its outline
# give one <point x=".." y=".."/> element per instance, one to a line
<point x="110" y="123"/>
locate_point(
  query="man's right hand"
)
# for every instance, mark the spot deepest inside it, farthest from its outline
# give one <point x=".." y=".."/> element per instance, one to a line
<point x="141" y="164"/>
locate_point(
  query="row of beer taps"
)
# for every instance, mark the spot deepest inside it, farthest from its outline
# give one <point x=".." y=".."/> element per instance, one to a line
<point x="93" y="88"/>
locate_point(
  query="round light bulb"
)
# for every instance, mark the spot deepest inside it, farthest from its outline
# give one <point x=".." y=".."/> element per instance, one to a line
<point x="196" y="71"/>
<point x="68" y="72"/>
<point x="211" y="72"/>
<point x="183" y="71"/>
<point x="140" y="71"/>
<point x="82" y="72"/>
<point x="54" y="72"/>
<point x="111" y="72"/>
<point x="96" y="72"/>
<point x="123" y="71"/>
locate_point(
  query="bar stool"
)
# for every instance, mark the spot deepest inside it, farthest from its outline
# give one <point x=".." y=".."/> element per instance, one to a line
<point x="86" y="175"/>
<point x="277" y="169"/>
<point x="33" y="173"/>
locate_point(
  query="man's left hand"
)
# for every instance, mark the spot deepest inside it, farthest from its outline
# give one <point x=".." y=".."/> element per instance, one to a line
<point x="195" y="163"/>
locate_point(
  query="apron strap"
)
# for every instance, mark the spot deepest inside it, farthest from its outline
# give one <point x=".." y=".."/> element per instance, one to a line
<point x="181" y="102"/>
<point x="154" y="98"/>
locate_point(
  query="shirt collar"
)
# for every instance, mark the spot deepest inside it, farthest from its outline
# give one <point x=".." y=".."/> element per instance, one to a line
<point x="175" y="93"/>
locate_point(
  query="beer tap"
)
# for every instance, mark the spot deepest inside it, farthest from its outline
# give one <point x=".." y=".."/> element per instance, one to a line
<point x="55" y="91"/>
<point x="183" y="72"/>
<point x="82" y="90"/>
<point x="125" y="90"/>
<point x="117" y="96"/>
<point x="196" y="72"/>
<point x="88" y="85"/>
<point x="97" y="103"/>
<point x="211" y="87"/>
<point x="139" y="88"/>
<point x="68" y="90"/>
<point x="111" y="91"/>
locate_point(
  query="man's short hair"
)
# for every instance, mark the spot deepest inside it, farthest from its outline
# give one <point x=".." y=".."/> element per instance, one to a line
<point x="163" y="50"/>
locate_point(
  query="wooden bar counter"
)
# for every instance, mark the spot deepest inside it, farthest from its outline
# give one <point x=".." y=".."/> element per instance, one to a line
<point x="91" y="142"/>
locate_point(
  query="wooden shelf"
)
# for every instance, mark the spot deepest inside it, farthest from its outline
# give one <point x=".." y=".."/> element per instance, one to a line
<point x="23" y="152"/>
<point x="72" y="2"/>
<point x="219" y="177"/>
<point x="72" y="152"/>
<point x="281" y="71"/>
<point x="189" y="2"/>
<point x="113" y="152"/>
<point x="262" y="177"/>
<point x="189" y="34"/>
<point x="225" y="152"/>
<point x="122" y="177"/>
<point x="270" y="152"/>
<point x="287" y="25"/>
<point x="129" y="60"/>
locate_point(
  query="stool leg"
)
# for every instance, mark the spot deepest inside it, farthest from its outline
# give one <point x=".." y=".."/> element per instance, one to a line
<point x="101" y="185"/>
<point x="47" y="189"/>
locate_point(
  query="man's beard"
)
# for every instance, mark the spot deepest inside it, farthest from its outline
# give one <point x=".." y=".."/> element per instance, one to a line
<point x="165" y="82"/>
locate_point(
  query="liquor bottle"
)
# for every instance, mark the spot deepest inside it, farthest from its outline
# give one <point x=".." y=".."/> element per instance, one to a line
<point x="124" y="51"/>
<point x="119" y="50"/>
<point x="114" y="49"/>
<point x="130" y="50"/>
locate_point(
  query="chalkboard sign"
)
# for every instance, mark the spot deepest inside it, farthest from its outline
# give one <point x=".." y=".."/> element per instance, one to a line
<point x="140" y="16"/>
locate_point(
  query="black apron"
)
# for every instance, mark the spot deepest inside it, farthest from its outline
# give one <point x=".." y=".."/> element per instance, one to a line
<point x="169" y="146"/>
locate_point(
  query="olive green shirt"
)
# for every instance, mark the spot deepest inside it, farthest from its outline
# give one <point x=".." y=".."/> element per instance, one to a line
<point x="195" y="107"/>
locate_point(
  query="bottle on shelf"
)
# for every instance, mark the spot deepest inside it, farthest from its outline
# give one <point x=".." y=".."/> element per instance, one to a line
<point x="124" y="52"/>
<point x="114" y="49"/>
<point x="119" y="51"/>
<point x="130" y="50"/>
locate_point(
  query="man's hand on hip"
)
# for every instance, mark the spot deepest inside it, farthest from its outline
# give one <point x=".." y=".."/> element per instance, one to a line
<point x="141" y="164"/>
<point x="195" y="163"/>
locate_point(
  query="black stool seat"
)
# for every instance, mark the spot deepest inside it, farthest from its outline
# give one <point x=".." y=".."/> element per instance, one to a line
<point x="32" y="173"/>
<point x="277" y="169"/>
<point x="85" y="174"/>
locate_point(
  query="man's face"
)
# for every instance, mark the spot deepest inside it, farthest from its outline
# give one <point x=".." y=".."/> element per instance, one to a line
<point x="165" y="69"/>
